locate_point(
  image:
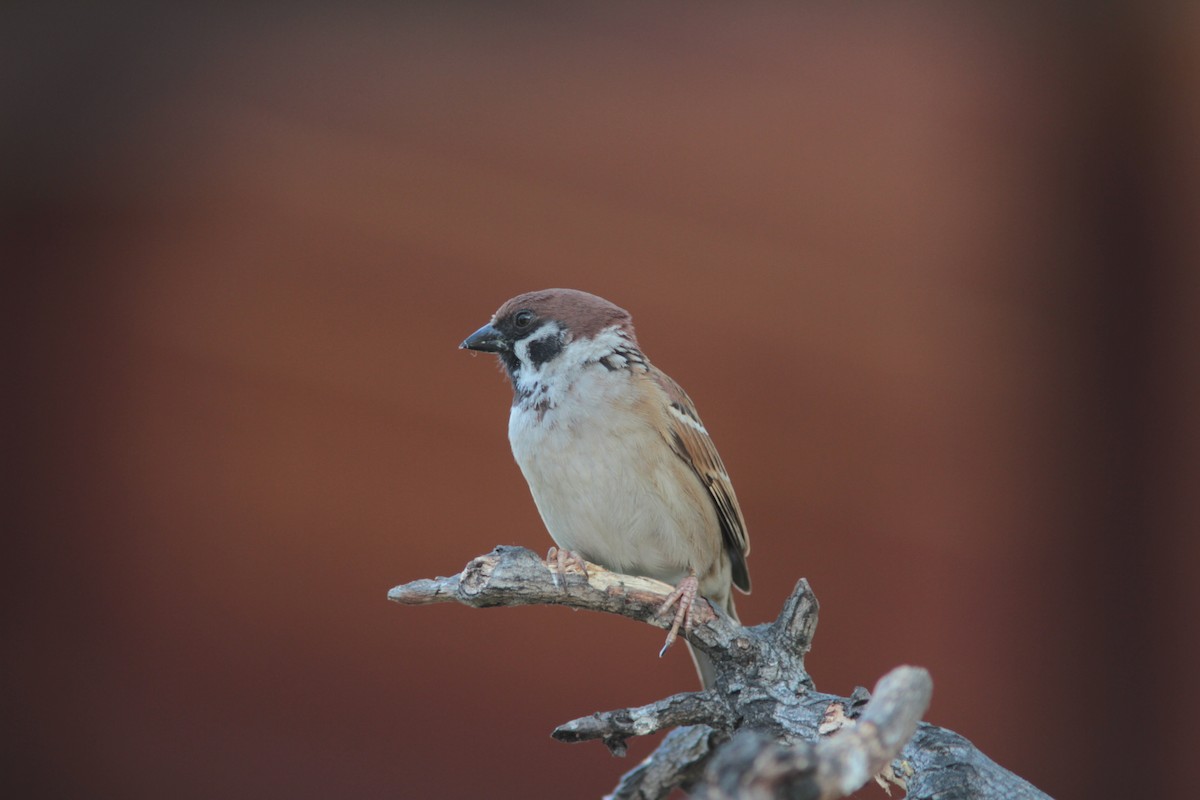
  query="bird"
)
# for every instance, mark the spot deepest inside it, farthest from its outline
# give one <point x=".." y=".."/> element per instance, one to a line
<point x="622" y="470"/>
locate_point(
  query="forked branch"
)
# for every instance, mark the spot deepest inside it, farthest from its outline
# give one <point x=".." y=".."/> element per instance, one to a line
<point x="763" y="731"/>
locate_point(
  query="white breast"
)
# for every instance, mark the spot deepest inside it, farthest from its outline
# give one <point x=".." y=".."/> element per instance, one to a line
<point x="606" y="483"/>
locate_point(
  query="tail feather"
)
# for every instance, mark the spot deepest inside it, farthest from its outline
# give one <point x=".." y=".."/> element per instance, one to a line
<point x="704" y="664"/>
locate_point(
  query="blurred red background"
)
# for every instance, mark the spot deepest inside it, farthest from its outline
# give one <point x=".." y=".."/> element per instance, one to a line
<point x="928" y="271"/>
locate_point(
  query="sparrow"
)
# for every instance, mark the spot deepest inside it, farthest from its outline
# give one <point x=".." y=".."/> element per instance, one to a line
<point x="622" y="470"/>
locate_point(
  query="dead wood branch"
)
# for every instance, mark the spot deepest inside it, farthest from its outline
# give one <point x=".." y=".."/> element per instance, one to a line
<point x="763" y="731"/>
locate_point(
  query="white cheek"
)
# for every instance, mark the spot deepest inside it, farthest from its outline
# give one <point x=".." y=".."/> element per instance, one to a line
<point x="531" y="375"/>
<point x="575" y="369"/>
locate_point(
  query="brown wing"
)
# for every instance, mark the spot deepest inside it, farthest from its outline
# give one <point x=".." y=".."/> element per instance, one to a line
<point x="691" y="442"/>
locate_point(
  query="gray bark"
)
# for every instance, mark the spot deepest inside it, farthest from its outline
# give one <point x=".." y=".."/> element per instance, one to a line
<point x="763" y="731"/>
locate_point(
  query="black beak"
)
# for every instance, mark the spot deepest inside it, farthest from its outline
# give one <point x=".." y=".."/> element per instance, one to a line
<point x="486" y="340"/>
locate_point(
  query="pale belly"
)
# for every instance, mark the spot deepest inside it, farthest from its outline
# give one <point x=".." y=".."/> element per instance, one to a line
<point x="617" y="495"/>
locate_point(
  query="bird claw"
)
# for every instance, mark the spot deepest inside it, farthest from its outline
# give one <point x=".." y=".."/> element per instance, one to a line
<point x="558" y="559"/>
<point x="684" y="597"/>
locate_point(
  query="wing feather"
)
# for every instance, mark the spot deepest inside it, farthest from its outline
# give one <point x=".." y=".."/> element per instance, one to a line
<point x="688" y="438"/>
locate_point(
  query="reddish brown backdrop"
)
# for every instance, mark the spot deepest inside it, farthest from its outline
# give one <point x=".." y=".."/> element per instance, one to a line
<point x="929" y="272"/>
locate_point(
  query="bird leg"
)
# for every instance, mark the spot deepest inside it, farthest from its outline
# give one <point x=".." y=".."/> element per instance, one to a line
<point x="558" y="559"/>
<point x="684" y="597"/>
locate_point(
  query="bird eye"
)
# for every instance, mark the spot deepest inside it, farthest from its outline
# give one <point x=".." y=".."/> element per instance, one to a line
<point x="523" y="318"/>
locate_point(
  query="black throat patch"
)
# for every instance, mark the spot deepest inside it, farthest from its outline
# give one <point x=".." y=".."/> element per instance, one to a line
<point x="511" y="364"/>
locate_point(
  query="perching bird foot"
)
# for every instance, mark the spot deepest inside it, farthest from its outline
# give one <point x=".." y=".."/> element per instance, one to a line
<point x="558" y="559"/>
<point x="684" y="597"/>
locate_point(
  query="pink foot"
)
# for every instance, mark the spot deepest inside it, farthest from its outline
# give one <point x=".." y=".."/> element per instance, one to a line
<point x="558" y="559"/>
<point x="685" y="597"/>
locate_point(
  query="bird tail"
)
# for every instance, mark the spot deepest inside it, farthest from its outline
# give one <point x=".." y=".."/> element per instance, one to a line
<point x="704" y="664"/>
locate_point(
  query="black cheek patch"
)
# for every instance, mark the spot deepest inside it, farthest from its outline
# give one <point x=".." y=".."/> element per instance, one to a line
<point x="542" y="350"/>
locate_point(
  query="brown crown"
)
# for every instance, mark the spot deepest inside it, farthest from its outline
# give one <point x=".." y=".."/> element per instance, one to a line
<point x="582" y="313"/>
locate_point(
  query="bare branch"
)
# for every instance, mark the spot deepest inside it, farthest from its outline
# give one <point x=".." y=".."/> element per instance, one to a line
<point x="678" y="761"/>
<point x="754" y="766"/>
<point x="615" y="727"/>
<point x="787" y="738"/>
<point x="887" y="723"/>
<point x="515" y="576"/>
